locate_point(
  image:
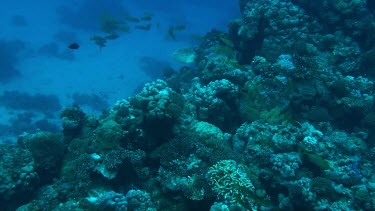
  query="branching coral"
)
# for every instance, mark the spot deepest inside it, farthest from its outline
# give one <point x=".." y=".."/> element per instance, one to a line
<point x="230" y="183"/>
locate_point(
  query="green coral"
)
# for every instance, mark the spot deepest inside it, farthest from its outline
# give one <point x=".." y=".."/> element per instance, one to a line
<point x="47" y="149"/>
<point x="73" y="119"/>
<point x="17" y="174"/>
<point x="322" y="186"/>
<point x="109" y="136"/>
<point x="207" y="133"/>
<point x="230" y="182"/>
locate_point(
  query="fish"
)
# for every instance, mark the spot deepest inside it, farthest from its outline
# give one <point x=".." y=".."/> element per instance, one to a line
<point x="315" y="159"/>
<point x="112" y="36"/>
<point x="185" y="55"/>
<point x="180" y="27"/>
<point x="111" y="24"/>
<point x="171" y="33"/>
<point x="227" y="41"/>
<point x="100" y="41"/>
<point x="73" y="46"/>
<point x="173" y="29"/>
<point x="131" y="19"/>
<point x="143" y="27"/>
<point x="147" y="16"/>
<point x="124" y="28"/>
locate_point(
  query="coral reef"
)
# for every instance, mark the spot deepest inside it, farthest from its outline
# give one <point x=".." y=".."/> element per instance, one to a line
<point x="278" y="113"/>
<point x="18" y="176"/>
<point x="47" y="150"/>
<point x="230" y="182"/>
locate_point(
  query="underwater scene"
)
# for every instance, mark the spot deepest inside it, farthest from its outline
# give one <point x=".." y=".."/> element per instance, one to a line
<point x="228" y="105"/>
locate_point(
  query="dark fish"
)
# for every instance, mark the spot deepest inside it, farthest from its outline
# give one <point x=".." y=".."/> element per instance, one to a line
<point x="73" y="46"/>
<point x="171" y="33"/>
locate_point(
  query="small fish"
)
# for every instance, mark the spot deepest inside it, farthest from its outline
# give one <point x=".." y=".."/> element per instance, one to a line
<point x="73" y="46"/>
<point x="124" y="28"/>
<point x="131" y="19"/>
<point x="143" y="27"/>
<point x="180" y="27"/>
<point x="147" y="16"/>
<point x="112" y="36"/>
<point x="100" y="41"/>
<point x="171" y="33"/>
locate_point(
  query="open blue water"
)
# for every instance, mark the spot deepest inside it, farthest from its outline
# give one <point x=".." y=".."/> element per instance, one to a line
<point x="36" y="60"/>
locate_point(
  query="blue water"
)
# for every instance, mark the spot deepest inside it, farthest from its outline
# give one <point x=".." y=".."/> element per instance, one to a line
<point x="35" y="36"/>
